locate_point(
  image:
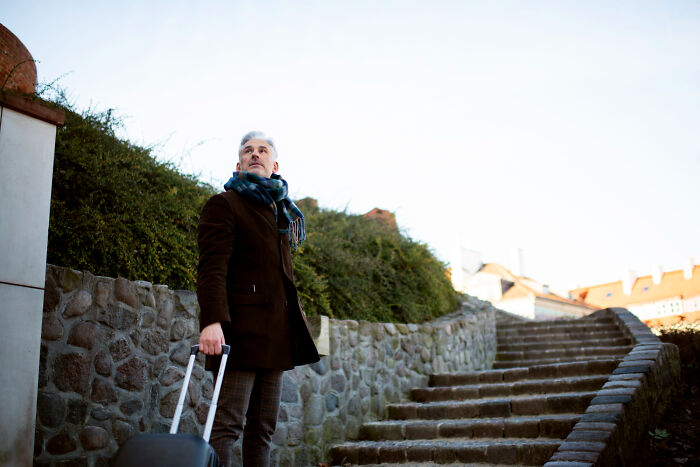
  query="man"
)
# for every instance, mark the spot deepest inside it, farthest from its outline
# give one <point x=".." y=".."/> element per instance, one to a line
<point x="248" y="300"/>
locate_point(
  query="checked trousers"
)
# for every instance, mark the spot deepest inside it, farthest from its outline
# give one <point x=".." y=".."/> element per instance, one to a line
<point x="249" y="402"/>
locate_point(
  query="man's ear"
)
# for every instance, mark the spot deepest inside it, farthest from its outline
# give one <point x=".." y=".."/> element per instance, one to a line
<point x="238" y="166"/>
<point x="275" y="167"/>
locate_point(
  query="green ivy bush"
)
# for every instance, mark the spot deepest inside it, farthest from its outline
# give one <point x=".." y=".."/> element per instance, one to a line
<point x="117" y="211"/>
<point x="365" y="269"/>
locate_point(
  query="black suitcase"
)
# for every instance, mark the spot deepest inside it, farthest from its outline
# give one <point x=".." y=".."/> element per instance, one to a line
<point x="172" y="449"/>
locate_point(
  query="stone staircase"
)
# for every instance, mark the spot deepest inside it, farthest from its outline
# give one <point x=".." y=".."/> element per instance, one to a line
<point x="545" y="375"/>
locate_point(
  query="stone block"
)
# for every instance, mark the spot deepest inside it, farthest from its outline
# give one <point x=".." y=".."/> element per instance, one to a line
<point x="117" y="317"/>
<point x="456" y="429"/>
<point x="368" y="454"/>
<point x="471" y="454"/>
<point x="606" y="417"/>
<point x="543" y="371"/>
<point x="62" y="443"/>
<point x="601" y="426"/>
<point x="444" y="455"/>
<point x="93" y="438"/>
<point x="51" y="409"/>
<point x="51" y="328"/>
<point x="620" y="391"/>
<point x="178" y="331"/>
<point x="488" y="429"/>
<point x="502" y="454"/>
<point x="103" y="363"/>
<point x="122" y="431"/>
<point x="611" y="399"/>
<point x="631" y="370"/>
<point x="555" y="427"/>
<point x="491" y="376"/>
<point x="71" y="372"/>
<point x="166" y="310"/>
<point x="77" y="411"/>
<point x="534" y="454"/>
<point x="331" y="401"/>
<point x="131" y="407"/>
<point x="52" y="296"/>
<point x="78" y="304"/>
<point x="567" y="464"/>
<point x="580" y="456"/>
<point x="419" y="453"/>
<point x="496" y="408"/>
<point x="592" y="446"/>
<point x="338" y="382"/>
<point x="132" y="375"/>
<point x="421" y="430"/>
<point x="392" y="454"/>
<point x="401" y="412"/>
<point x="125" y="292"/>
<point x="102" y="391"/>
<point x="588" y="435"/>
<point x="83" y="335"/>
<point x="528" y="405"/>
<point x="155" y="342"/>
<point x="595" y="408"/>
<point x="521" y="428"/>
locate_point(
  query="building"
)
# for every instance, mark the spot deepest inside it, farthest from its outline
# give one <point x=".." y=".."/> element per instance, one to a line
<point x="521" y="295"/>
<point x="659" y="295"/>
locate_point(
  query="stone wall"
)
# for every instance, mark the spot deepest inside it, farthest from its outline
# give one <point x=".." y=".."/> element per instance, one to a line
<point x="114" y="353"/>
<point x="633" y="399"/>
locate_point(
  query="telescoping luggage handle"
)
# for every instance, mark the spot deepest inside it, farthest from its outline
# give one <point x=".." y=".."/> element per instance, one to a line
<point x="214" y="398"/>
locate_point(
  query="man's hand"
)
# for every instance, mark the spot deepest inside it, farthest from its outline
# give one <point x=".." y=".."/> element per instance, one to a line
<point x="211" y="339"/>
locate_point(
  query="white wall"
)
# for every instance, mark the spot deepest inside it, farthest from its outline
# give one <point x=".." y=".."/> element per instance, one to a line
<point x="26" y="169"/>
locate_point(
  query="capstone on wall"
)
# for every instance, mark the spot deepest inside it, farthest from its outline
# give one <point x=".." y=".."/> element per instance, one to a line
<point x="114" y="353"/>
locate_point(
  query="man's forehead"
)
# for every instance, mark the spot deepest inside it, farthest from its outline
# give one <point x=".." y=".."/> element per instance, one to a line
<point x="256" y="143"/>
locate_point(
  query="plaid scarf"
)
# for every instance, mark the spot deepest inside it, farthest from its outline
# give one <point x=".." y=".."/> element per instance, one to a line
<point x="271" y="191"/>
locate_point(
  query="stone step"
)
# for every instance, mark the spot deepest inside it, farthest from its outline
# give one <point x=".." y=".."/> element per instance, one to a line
<point x="505" y="451"/>
<point x="557" y="330"/>
<point x="554" y="370"/>
<point x="544" y="361"/>
<point x="524" y="346"/>
<point x="560" y="353"/>
<point x="429" y="464"/>
<point x="547" y="426"/>
<point x="517" y="388"/>
<point x="556" y="323"/>
<point x="571" y="402"/>
<point x="558" y="337"/>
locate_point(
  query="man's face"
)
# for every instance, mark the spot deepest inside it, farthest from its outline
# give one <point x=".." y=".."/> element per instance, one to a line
<point x="257" y="157"/>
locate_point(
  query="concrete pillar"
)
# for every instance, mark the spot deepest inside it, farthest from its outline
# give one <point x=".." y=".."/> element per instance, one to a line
<point x="27" y="138"/>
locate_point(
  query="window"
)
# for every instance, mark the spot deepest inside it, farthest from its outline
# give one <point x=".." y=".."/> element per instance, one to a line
<point x="645" y="289"/>
<point x="608" y="295"/>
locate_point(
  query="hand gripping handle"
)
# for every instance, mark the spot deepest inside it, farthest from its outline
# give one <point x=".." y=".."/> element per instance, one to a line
<point x="217" y="388"/>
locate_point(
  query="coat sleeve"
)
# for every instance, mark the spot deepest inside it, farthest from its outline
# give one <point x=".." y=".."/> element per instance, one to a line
<point x="215" y="235"/>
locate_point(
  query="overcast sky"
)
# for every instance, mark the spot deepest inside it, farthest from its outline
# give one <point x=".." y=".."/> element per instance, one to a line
<point x="569" y="129"/>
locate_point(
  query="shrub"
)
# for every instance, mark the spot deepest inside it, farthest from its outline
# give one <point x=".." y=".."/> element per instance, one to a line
<point x="116" y="210"/>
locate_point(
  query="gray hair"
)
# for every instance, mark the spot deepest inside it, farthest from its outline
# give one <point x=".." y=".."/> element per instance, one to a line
<point x="258" y="135"/>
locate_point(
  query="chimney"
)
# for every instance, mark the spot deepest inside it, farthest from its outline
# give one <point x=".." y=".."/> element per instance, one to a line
<point x="517" y="260"/>
<point x="657" y="274"/>
<point x="688" y="269"/>
<point x="545" y="289"/>
<point x="628" y="279"/>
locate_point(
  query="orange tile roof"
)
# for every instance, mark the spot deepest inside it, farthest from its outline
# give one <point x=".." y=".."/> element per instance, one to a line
<point x="524" y="286"/>
<point x="673" y="284"/>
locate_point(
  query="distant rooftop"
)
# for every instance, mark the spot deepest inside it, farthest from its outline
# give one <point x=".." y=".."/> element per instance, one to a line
<point x="672" y="284"/>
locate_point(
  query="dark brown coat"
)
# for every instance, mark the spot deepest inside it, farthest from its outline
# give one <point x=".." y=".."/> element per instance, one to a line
<point x="245" y="282"/>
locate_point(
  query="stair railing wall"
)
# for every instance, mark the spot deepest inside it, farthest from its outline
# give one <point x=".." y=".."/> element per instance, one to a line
<point x="633" y="399"/>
